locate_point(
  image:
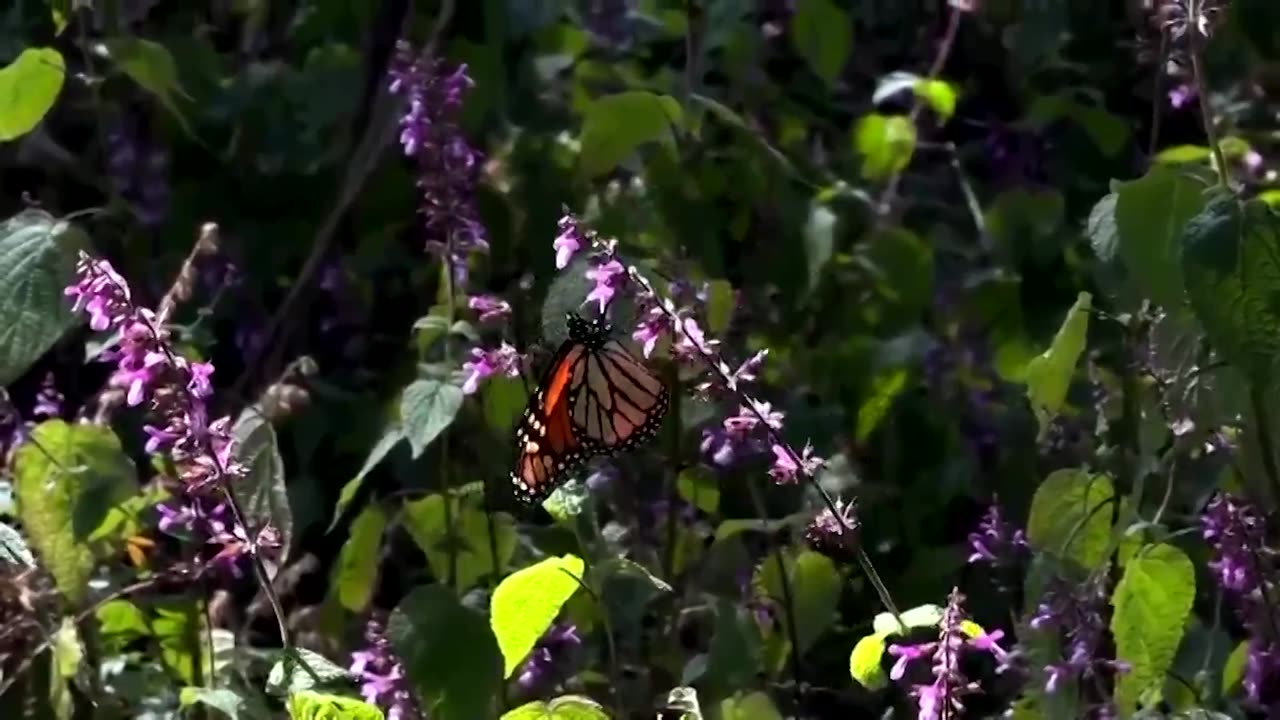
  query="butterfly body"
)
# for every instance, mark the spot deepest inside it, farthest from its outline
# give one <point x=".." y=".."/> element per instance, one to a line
<point x="594" y="399"/>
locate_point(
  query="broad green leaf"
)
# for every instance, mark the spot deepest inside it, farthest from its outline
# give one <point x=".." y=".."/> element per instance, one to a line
<point x="1231" y="266"/>
<point x="13" y="549"/>
<point x="1101" y="229"/>
<point x="886" y="386"/>
<point x="1182" y="154"/>
<point x="566" y="707"/>
<point x="224" y="700"/>
<point x="749" y="706"/>
<point x="885" y="143"/>
<point x="504" y="400"/>
<point x="1071" y="517"/>
<point x="939" y="95"/>
<point x="864" y="662"/>
<point x="614" y="126"/>
<point x="122" y="619"/>
<point x="1150" y="214"/>
<point x="309" y="705"/>
<point x="699" y="487"/>
<point x="526" y="602"/>
<point x="901" y="265"/>
<point x="303" y="670"/>
<point x="28" y="88"/>
<point x="1048" y="375"/>
<point x="426" y="522"/>
<point x="1233" y="669"/>
<point x="179" y="628"/>
<point x="819" y="240"/>
<point x="735" y="656"/>
<point x="822" y="34"/>
<point x="1152" y="602"/>
<point x="815" y="591"/>
<point x="66" y="478"/>
<point x="391" y="437"/>
<point x="927" y="615"/>
<point x="37" y="262"/>
<point x="357" y="566"/>
<point x="68" y="650"/>
<point x="150" y="65"/>
<point x="263" y="497"/>
<point x="427" y="407"/>
<point x="448" y="652"/>
<point x="720" y="304"/>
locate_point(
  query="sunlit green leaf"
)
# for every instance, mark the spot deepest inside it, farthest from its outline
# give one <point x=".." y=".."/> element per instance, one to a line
<point x="28" y="88"/>
<point x="1150" y="214"/>
<point x="614" y="126"/>
<point x="526" y="603"/>
<point x="309" y="705"/>
<point x="1233" y="669"/>
<point x="939" y="95"/>
<point x="1152" y="602"/>
<point x="885" y="388"/>
<point x="885" y="143"/>
<point x="13" y="549"/>
<point x="357" y="565"/>
<point x="224" y="700"/>
<point x="1048" y="376"/>
<point x="302" y="670"/>
<point x="814" y="591"/>
<point x="864" y="662"/>
<point x="749" y="706"/>
<point x="426" y="521"/>
<point x="1071" y="516"/>
<point x="567" y="707"/>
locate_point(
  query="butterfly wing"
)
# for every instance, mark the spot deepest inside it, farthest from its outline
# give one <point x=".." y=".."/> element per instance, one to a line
<point x="617" y="403"/>
<point x="545" y="438"/>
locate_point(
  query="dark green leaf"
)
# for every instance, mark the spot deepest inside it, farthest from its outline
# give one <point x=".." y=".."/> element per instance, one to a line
<point x="427" y="407"/>
<point x="614" y="126"/>
<point x="885" y="144"/>
<point x="427" y="630"/>
<point x="1150" y="215"/>
<point x="886" y="386"/>
<point x="749" y="706"/>
<point x="357" y="566"/>
<point x="391" y="437"/>
<point x="720" y="304"/>
<point x="823" y="35"/>
<point x="28" y="88"/>
<point x="37" y="261"/>
<point x="699" y="487"/>
<point x="526" y="603"/>
<point x="1231" y="266"/>
<point x="819" y="240"/>
<point x="262" y="494"/>
<point x="469" y="543"/>
<point x="814" y="586"/>
<point x="1152" y="602"/>
<point x="152" y="67"/>
<point x="66" y="478"/>
<point x="1070" y="516"/>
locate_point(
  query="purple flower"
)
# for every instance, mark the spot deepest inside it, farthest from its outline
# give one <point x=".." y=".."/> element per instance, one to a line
<point x="608" y="276"/>
<point x="785" y="469"/>
<point x="381" y="675"/>
<point x="740" y="434"/>
<point x="483" y="363"/>
<point x="996" y="541"/>
<point x="569" y="241"/>
<point x="448" y="167"/>
<point x="1236" y="532"/>
<point x="489" y="307"/>
<point x="541" y="667"/>
<point x="835" y="534"/>
<point x="650" y="329"/>
<point x="48" y="400"/>
<point x="1076" y="614"/>
<point x="1182" y="95"/>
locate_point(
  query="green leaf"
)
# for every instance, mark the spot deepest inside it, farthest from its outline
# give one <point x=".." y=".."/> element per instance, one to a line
<point x="819" y="240"/>
<point x="225" y="701"/>
<point x="122" y="619"/>
<point x="823" y="35"/>
<point x="28" y="88"/>
<point x="920" y="616"/>
<point x="864" y="662"/>
<point x="1101" y="229"/>
<point x="151" y="66"/>
<point x="720" y="304"/>
<point x="59" y="11"/>
<point x="1048" y="375"/>
<point x="68" y="650"/>
<point x="939" y="95"/>
<point x="391" y="437"/>
<point x="1152" y="602"/>
<point x="749" y="706"/>
<point x="303" y="670"/>
<point x="37" y="261"/>
<point x="699" y="487"/>
<point x="263" y="497"/>
<point x="1231" y="267"/>
<point x="614" y="126"/>
<point x="734" y="657"/>
<point x="1233" y="668"/>
<point x="308" y="705"/>
<point x="178" y="627"/>
<point x="427" y="407"/>
<point x="357" y="565"/>
<point x="448" y="653"/>
<point x="815" y="591"/>
<point x="425" y="521"/>
<point x="66" y="478"/>
<point x="1183" y="154"/>
<point x="886" y="386"/>
<point x="885" y="143"/>
<point x="565" y="707"/>
<point x="1150" y="214"/>
<point x="526" y="603"/>
<point x="13" y="549"/>
<point x="1070" y="516"/>
<point x="504" y="400"/>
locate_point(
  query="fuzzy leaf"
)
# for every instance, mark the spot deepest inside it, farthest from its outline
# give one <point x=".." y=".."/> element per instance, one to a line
<point x="308" y="705"/>
<point x="1069" y="516"/>
<point x="427" y="407"/>
<point x="526" y="603"/>
<point x="1152" y="602"/>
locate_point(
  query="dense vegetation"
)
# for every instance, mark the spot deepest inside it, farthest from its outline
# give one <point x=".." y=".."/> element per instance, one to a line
<point x="968" y="314"/>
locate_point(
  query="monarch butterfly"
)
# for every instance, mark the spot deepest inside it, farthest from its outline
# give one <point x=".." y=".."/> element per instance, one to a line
<point x="594" y="399"/>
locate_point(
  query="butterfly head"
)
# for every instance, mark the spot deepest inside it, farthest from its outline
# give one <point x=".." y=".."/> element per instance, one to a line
<point x="587" y="331"/>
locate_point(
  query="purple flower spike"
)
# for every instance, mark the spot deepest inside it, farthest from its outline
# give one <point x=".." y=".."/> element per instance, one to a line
<point x="568" y="242"/>
<point x="543" y="666"/>
<point x="608" y="277"/>
<point x="489" y="307"/>
<point x="381" y="675"/>
<point x="996" y="541"/>
<point x="483" y="363"/>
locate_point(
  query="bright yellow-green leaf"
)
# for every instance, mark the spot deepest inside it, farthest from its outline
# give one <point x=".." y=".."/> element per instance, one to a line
<point x="473" y="558"/>
<point x="749" y="706"/>
<point x="28" y="88"/>
<point x="864" y="662"/>
<point x="939" y="95"/>
<point x="310" y="705"/>
<point x="1048" y="376"/>
<point x="1233" y="668"/>
<point x="885" y="388"/>
<point x="526" y="602"/>
<point x="885" y="143"/>
<point x="1152" y="602"/>
<point x="927" y="615"/>
<point x="566" y="707"/>
<point x="1180" y="154"/>
<point x="1071" y="516"/>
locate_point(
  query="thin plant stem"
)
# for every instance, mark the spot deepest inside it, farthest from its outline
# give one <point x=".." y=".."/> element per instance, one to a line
<point x="726" y="375"/>
<point x="1202" y="91"/>
<point x="788" y="603"/>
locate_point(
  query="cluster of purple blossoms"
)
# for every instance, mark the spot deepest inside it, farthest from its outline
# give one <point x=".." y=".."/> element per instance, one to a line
<point x="996" y="541"/>
<point x="550" y="655"/>
<point x="175" y="391"/>
<point x="942" y="698"/>
<point x="448" y="168"/>
<point x="381" y="675"/>
<point x="1076" y="613"/>
<point x="1243" y="564"/>
<point x="835" y="534"/>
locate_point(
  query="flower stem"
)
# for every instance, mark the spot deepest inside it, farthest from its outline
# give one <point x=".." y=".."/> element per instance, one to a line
<point x="1202" y="88"/>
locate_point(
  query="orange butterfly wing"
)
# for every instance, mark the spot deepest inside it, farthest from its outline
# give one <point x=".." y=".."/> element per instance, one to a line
<point x="545" y="439"/>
